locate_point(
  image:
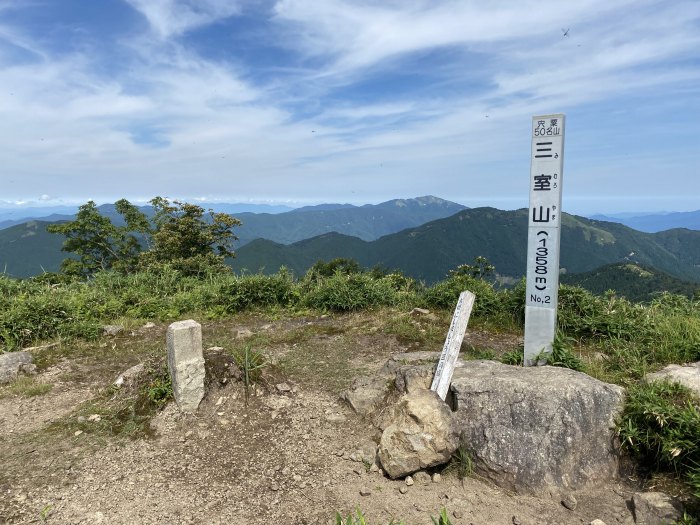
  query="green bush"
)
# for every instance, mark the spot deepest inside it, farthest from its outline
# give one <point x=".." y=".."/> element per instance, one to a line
<point x="351" y="292"/>
<point x="259" y="290"/>
<point x="660" y="425"/>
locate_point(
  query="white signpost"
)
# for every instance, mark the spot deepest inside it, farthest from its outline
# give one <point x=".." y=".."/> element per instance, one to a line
<point x="543" y="235"/>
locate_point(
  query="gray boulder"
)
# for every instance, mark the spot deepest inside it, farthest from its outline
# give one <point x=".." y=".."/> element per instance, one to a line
<point x="655" y="508"/>
<point x="686" y="375"/>
<point x="532" y="428"/>
<point x="13" y="364"/>
<point x="421" y="434"/>
<point x="367" y="394"/>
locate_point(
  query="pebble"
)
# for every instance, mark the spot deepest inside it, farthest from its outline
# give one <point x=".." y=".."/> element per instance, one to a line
<point x="437" y="478"/>
<point x="516" y="521"/>
<point x="569" y="502"/>
<point x="374" y="468"/>
<point x="409" y="480"/>
<point x="458" y="513"/>
<point x="78" y="432"/>
<point x="403" y="489"/>
<point x="365" y="491"/>
<point x="597" y="522"/>
<point x="297" y="477"/>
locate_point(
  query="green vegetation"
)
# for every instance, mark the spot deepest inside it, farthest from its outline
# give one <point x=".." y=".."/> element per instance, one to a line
<point x="661" y="426"/>
<point x="25" y="386"/>
<point x="251" y="362"/>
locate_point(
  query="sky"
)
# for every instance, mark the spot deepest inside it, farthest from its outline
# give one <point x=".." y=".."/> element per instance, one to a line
<point x="308" y="101"/>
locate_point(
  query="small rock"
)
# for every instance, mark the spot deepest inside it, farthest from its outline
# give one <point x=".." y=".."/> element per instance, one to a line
<point x="283" y="388"/>
<point x="458" y="513"/>
<point x="297" y="477"/>
<point x="365" y="491"/>
<point x="243" y="333"/>
<point x="130" y="376"/>
<point x="569" y="502"/>
<point x="437" y="478"/>
<point x="651" y="508"/>
<point x="111" y="330"/>
<point x="13" y="364"/>
<point x="274" y="487"/>
<point x="409" y="480"/>
<point x="94" y="418"/>
<point x="403" y="489"/>
<point x="422" y="477"/>
<point x="335" y="418"/>
<point x="374" y="468"/>
<point x="420" y="311"/>
<point x="81" y="419"/>
<point x="358" y="471"/>
<point x="78" y="432"/>
<point x="597" y="522"/>
<point x="516" y="521"/>
<point x="149" y="325"/>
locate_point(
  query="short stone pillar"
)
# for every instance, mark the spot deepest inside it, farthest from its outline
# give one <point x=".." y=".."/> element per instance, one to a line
<point x="186" y="363"/>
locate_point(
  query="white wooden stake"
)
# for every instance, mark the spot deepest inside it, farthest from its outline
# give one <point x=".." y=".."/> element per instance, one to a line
<point x="453" y="342"/>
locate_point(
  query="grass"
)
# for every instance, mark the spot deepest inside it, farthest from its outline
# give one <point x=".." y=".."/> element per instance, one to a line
<point x="358" y="518"/>
<point x="26" y="386"/>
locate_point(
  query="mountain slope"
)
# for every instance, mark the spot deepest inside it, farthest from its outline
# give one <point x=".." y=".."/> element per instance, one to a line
<point x="28" y="249"/>
<point x="635" y="282"/>
<point x="429" y="251"/>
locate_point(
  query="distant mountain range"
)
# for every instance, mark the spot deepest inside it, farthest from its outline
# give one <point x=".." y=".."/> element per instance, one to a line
<point x="655" y="222"/>
<point x="429" y="251"/>
<point x="426" y="251"/>
<point x="19" y="243"/>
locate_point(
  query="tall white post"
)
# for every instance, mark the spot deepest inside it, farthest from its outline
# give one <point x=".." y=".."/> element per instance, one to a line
<point x="543" y="235"/>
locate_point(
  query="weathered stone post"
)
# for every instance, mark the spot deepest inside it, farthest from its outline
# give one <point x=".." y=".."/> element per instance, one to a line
<point x="186" y="363"/>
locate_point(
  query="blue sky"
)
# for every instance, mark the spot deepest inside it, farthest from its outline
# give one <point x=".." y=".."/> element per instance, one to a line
<point x="301" y="101"/>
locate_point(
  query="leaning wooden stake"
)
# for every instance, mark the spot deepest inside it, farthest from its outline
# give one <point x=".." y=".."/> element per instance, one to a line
<point x="453" y="342"/>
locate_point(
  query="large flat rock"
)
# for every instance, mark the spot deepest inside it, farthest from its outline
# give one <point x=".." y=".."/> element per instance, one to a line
<point x="537" y="427"/>
<point x="687" y="375"/>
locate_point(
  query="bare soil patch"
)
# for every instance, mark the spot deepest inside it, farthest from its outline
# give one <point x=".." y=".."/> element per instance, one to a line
<point x="283" y="458"/>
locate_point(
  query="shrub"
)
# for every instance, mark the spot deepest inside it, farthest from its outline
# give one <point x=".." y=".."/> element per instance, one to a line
<point x="346" y="293"/>
<point x="259" y="290"/>
<point x="660" y="425"/>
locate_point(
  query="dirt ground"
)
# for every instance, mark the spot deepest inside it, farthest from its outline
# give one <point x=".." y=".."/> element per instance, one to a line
<point x="67" y="457"/>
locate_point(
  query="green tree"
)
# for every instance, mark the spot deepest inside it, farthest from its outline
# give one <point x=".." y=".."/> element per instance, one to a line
<point x="481" y="268"/>
<point x="98" y="243"/>
<point x="188" y="239"/>
<point x="181" y="235"/>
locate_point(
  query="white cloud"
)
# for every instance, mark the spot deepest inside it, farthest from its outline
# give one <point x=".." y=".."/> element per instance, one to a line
<point x="175" y="17"/>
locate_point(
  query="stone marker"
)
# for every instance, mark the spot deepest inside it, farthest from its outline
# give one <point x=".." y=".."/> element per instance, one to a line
<point x="186" y="363"/>
<point x="453" y="342"/>
<point x="544" y="222"/>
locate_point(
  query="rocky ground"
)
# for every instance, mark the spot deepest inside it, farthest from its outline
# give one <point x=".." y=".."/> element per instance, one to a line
<point x="85" y="452"/>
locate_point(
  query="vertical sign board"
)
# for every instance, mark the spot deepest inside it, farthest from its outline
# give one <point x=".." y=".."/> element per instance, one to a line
<point x="543" y="235"/>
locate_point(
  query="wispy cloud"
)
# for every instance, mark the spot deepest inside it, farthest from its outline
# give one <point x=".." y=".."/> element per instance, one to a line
<point x="174" y="17"/>
<point x="383" y="96"/>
